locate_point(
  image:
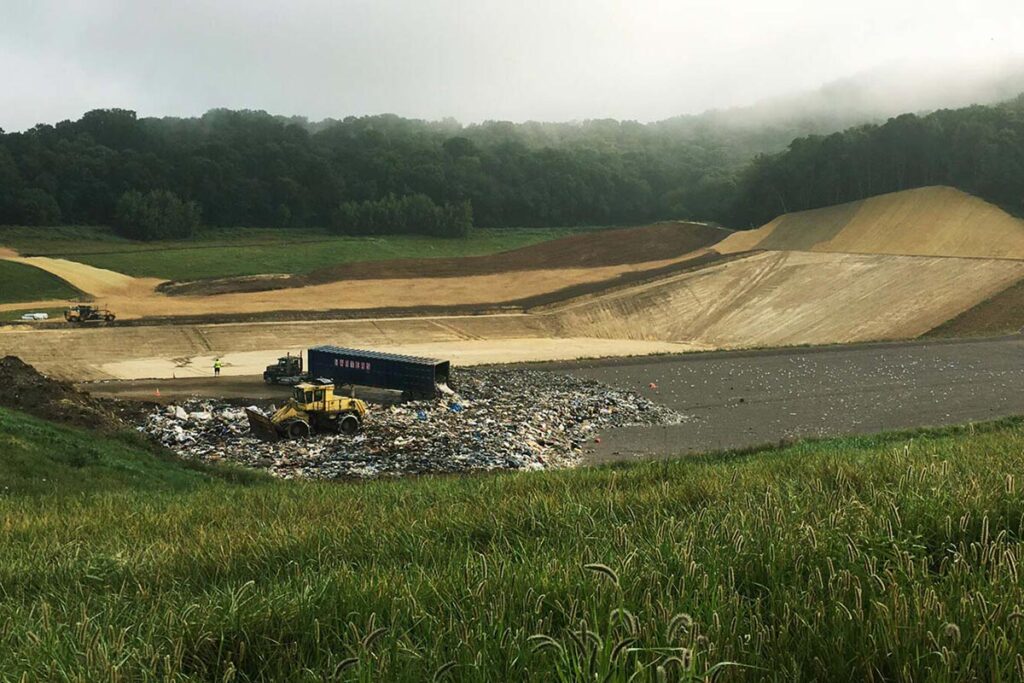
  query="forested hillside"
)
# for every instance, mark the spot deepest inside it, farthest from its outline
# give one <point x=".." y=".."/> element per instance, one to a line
<point x="245" y="168"/>
<point x="976" y="149"/>
<point x="160" y="178"/>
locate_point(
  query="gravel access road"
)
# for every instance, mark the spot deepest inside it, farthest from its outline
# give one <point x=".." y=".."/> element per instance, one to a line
<point x="744" y="399"/>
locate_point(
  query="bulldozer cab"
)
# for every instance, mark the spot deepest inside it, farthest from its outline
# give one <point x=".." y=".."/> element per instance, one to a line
<point x="320" y="398"/>
<point x="312" y="408"/>
<point x="312" y="397"/>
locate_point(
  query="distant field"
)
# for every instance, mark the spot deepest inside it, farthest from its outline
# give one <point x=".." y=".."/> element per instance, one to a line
<point x="255" y="251"/>
<point x="19" y="282"/>
<point x="885" y="558"/>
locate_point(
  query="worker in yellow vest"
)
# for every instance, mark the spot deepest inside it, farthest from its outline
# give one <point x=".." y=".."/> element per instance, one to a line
<point x="216" y="367"/>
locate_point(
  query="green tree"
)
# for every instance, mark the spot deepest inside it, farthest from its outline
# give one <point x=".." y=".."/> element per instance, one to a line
<point x="155" y="215"/>
<point x="35" y="206"/>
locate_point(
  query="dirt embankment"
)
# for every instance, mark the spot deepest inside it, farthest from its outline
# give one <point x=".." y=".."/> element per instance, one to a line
<point x="605" y="248"/>
<point x="779" y="298"/>
<point x="928" y="221"/>
<point x="998" y="315"/>
<point x="27" y="390"/>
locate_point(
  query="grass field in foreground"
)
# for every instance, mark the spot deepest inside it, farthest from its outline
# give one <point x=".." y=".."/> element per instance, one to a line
<point x="253" y="251"/>
<point x="20" y="282"/>
<point x="885" y="558"/>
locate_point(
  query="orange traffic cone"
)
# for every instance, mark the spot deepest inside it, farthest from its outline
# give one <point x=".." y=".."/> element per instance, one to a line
<point x="158" y="393"/>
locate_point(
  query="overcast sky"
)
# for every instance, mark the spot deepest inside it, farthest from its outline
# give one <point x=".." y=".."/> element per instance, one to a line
<point x="472" y="59"/>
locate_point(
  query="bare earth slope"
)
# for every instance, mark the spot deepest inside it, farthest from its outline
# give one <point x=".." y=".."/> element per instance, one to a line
<point x="929" y="221"/>
<point x="998" y="315"/>
<point x="782" y="298"/>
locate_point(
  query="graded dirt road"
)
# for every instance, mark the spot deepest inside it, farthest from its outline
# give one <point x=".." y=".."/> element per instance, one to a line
<point x="481" y="282"/>
<point x="165" y="351"/>
<point x="750" y="398"/>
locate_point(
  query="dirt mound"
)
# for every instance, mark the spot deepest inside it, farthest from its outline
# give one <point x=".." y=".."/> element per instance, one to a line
<point x="603" y="248"/>
<point x="29" y="391"/>
<point x="929" y="221"/>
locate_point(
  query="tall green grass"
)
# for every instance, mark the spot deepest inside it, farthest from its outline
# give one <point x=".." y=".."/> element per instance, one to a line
<point x="40" y="458"/>
<point x="229" y="252"/>
<point x="886" y="558"/>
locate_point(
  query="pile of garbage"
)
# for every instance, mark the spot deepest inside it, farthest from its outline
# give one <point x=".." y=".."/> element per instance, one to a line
<point x="498" y="419"/>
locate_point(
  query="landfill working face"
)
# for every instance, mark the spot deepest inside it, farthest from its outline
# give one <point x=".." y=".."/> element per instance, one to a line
<point x="496" y="419"/>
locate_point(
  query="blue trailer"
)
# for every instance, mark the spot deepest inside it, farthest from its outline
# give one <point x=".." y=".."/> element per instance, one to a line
<point x="414" y="376"/>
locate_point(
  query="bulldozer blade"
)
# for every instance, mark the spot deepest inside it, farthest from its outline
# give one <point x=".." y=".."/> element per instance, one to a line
<point x="261" y="426"/>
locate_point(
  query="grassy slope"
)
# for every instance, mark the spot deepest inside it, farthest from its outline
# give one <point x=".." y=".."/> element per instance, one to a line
<point x="242" y="251"/>
<point x="40" y="458"/>
<point x="19" y="282"/>
<point x="889" y="557"/>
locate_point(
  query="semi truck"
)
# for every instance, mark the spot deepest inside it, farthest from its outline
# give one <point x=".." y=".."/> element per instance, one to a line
<point x="416" y="377"/>
<point x="316" y="406"/>
<point x="287" y="370"/>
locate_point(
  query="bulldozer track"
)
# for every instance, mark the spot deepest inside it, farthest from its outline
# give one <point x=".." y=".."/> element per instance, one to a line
<point x="461" y="334"/>
<point x="197" y="339"/>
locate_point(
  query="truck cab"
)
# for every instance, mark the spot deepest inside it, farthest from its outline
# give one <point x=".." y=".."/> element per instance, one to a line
<point x="287" y="370"/>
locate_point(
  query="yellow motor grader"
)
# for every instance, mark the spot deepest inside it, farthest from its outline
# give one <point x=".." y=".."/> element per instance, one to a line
<point x="313" y="408"/>
<point x="86" y="313"/>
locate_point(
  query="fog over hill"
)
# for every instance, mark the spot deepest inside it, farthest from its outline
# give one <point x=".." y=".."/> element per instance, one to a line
<point x="875" y="95"/>
<point x="550" y="60"/>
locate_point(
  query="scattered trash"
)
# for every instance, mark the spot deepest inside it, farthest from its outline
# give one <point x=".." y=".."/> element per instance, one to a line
<point x="498" y="419"/>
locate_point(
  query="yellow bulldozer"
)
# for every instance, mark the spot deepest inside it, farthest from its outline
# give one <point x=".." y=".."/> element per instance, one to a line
<point x="312" y="408"/>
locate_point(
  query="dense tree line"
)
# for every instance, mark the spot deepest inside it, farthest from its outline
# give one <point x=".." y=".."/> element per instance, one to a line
<point x="383" y="174"/>
<point x="416" y="214"/>
<point x="978" y="149"/>
<point x="245" y="168"/>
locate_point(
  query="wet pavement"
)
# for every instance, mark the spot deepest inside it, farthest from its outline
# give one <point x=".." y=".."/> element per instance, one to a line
<point x="744" y="399"/>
